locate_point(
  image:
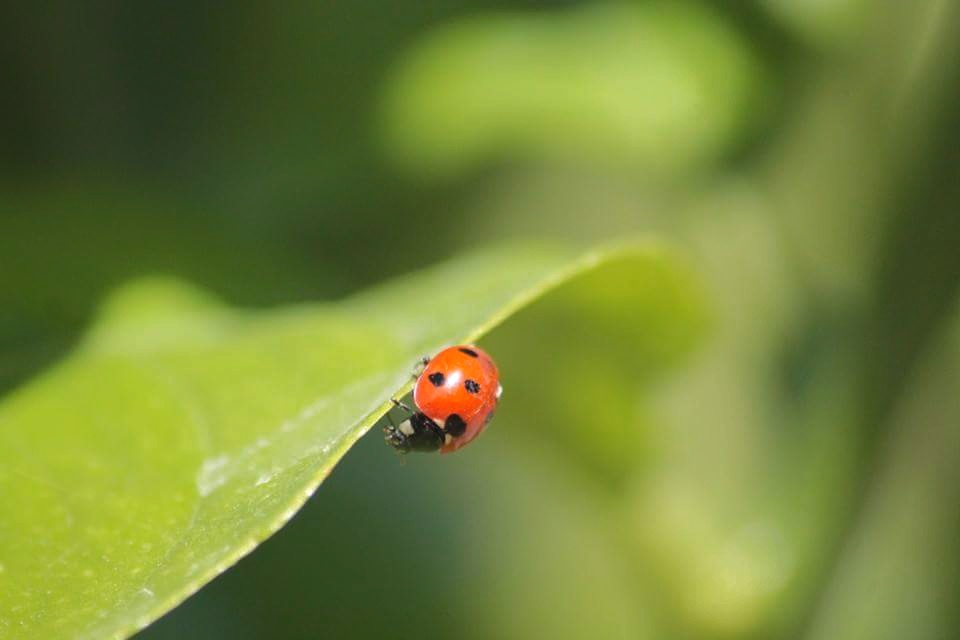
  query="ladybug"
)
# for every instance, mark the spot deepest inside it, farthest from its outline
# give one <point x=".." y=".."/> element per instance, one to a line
<point x="455" y="396"/>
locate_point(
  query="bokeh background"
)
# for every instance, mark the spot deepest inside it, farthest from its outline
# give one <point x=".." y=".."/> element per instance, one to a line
<point x="781" y="465"/>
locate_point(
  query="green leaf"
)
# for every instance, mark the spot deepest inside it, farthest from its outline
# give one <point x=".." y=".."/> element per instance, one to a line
<point x="181" y="433"/>
<point x="660" y="86"/>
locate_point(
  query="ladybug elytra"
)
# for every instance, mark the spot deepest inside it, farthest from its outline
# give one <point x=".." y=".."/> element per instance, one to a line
<point x="455" y="397"/>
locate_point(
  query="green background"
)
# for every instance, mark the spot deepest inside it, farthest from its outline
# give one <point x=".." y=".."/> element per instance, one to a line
<point x="784" y="466"/>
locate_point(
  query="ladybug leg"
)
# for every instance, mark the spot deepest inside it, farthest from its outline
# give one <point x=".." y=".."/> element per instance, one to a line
<point x="421" y="416"/>
<point x="401" y="405"/>
<point x="420" y="366"/>
<point x="395" y="437"/>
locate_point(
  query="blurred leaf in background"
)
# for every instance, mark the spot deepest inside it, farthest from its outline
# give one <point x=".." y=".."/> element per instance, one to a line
<point x="655" y="87"/>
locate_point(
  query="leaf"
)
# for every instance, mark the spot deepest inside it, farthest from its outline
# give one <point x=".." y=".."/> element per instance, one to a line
<point x="181" y="433"/>
<point x="660" y="86"/>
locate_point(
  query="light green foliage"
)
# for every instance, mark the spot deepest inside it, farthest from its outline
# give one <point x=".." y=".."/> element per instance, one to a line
<point x="181" y="432"/>
<point x="660" y="86"/>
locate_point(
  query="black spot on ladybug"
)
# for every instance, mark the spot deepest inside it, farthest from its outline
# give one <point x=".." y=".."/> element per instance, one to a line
<point x="454" y="425"/>
<point x="472" y="386"/>
<point x="469" y="352"/>
<point x="436" y="378"/>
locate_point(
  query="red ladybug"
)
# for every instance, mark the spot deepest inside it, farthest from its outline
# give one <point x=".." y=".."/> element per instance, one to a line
<point x="455" y="395"/>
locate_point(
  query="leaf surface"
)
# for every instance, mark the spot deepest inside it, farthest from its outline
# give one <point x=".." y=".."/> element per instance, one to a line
<point x="182" y="432"/>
